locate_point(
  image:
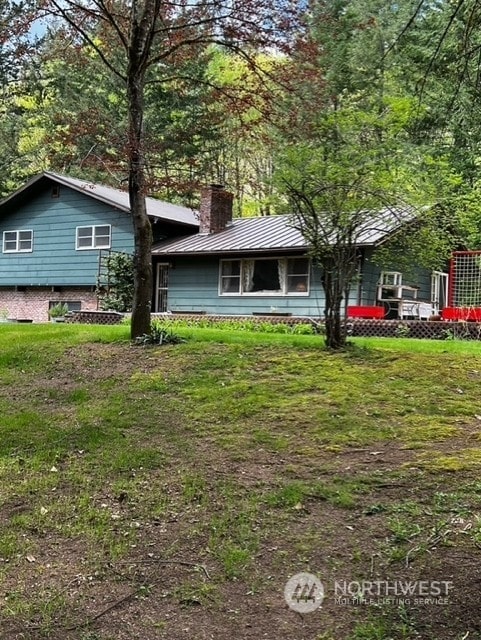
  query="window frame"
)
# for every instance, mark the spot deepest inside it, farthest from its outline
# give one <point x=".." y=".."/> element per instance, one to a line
<point x="93" y="246"/>
<point x="223" y="276"/>
<point x="283" y="292"/>
<point x="17" y="241"/>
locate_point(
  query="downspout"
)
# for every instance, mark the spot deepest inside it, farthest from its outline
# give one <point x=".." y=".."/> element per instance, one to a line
<point x="360" y="272"/>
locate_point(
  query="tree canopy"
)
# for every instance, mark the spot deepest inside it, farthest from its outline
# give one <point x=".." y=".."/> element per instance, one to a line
<point x="348" y="97"/>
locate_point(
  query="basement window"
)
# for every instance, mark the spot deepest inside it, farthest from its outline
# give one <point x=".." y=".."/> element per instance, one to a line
<point x="73" y="305"/>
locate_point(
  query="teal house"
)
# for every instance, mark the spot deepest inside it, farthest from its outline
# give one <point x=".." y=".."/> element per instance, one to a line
<point x="54" y="231"/>
<point x="261" y="266"/>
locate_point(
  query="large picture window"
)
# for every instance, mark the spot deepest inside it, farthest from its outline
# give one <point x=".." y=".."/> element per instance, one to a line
<point x="264" y="276"/>
<point x="94" y="237"/>
<point x="17" y="241"/>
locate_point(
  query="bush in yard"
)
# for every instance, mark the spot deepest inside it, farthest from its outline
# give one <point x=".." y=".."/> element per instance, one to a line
<point x="119" y="292"/>
<point x="159" y="334"/>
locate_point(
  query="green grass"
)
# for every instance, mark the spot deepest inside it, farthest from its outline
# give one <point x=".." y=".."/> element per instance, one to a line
<point x="255" y="455"/>
<point x="403" y="345"/>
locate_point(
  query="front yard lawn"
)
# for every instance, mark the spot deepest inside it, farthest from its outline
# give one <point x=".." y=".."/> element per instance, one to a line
<point x="160" y="492"/>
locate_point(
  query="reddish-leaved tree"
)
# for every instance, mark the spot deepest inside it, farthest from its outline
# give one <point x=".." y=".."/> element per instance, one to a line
<point x="136" y="40"/>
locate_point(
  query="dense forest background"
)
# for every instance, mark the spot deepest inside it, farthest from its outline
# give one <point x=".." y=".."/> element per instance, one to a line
<point x="382" y="93"/>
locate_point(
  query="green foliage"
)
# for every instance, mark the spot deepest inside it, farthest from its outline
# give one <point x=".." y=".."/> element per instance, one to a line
<point x="428" y="243"/>
<point x="335" y="195"/>
<point x="467" y="204"/>
<point x="402" y="330"/>
<point x="355" y="154"/>
<point x="58" y="310"/>
<point x="159" y="334"/>
<point x="116" y="289"/>
<point x="243" y="325"/>
<point x="247" y="141"/>
<point x="103" y="466"/>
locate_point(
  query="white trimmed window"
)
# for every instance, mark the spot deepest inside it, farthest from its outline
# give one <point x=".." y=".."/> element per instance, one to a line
<point x="20" y="241"/>
<point x="265" y="276"/>
<point x="94" y="237"/>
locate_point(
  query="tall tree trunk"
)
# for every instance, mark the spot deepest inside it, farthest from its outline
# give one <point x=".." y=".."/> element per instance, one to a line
<point x="333" y="290"/>
<point x="143" y="278"/>
<point x="335" y="333"/>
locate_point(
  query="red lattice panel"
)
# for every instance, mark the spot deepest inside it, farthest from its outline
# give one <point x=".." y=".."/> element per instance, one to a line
<point x="465" y="280"/>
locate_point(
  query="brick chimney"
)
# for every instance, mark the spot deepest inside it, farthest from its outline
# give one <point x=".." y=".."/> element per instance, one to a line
<point x="215" y="211"/>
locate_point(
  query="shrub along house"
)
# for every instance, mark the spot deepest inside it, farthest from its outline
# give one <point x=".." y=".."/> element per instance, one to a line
<point x="54" y="231"/>
<point x="261" y="266"/>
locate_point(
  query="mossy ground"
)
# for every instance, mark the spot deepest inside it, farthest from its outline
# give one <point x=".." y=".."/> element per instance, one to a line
<point x="159" y="492"/>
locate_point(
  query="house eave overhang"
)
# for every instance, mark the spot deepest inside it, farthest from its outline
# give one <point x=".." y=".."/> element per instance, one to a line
<point x="178" y="223"/>
<point x="232" y="252"/>
<point x="244" y="251"/>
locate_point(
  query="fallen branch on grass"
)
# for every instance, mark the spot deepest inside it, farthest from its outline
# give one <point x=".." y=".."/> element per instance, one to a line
<point x="131" y="594"/>
<point x="183" y="563"/>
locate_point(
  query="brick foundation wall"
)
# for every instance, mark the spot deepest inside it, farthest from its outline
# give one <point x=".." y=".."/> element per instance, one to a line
<point x="33" y="302"/>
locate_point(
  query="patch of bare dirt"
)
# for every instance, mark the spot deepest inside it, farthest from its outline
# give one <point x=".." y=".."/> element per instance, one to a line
<point x="169" y="585"/>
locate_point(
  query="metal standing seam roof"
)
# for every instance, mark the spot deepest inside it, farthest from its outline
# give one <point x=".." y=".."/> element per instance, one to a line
<point x="274" y="233"/>
<point x="244" y="234"/>
<point x="116" y="198"/>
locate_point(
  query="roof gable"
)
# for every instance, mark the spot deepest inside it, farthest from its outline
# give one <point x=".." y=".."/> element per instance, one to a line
<point x="117" y="198"/>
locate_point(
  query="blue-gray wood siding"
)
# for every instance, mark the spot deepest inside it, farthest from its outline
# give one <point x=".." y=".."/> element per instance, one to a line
<point x="371" y="274"/>
<point x="194" y="286"/>
<point x="54" y="259"/>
